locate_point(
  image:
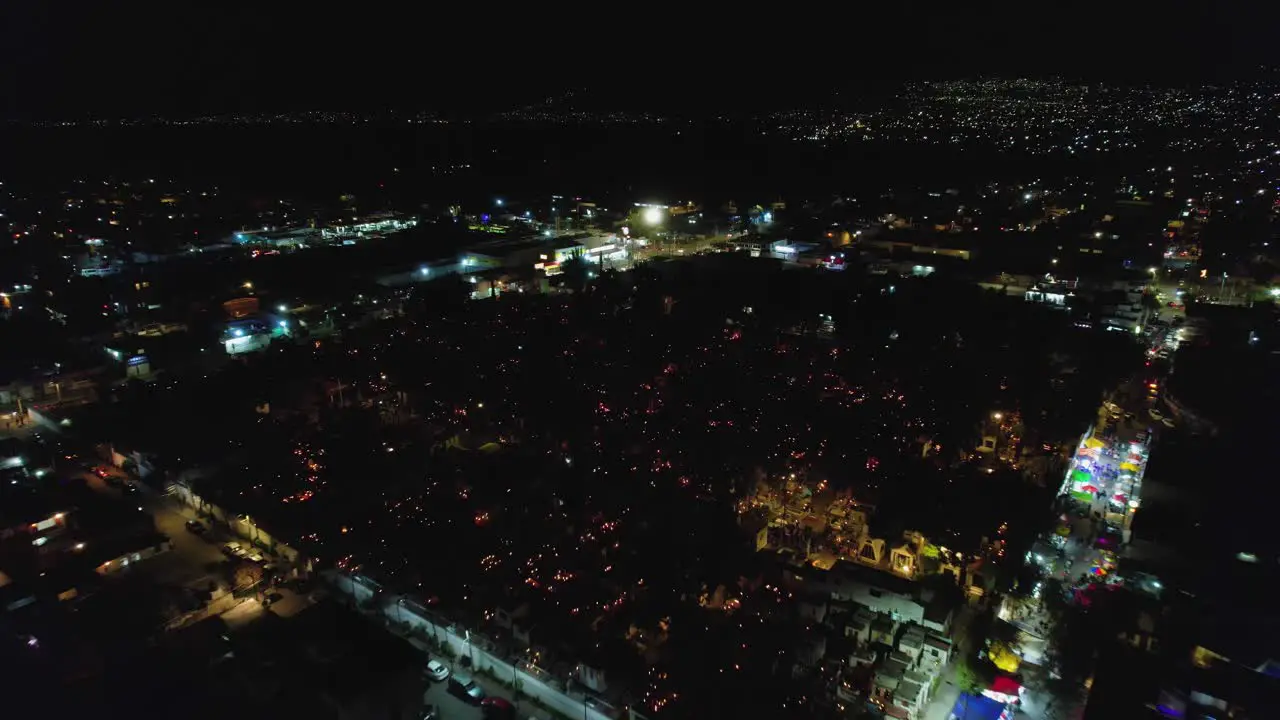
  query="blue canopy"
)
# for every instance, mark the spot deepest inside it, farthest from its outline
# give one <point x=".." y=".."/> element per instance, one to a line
<point x="977" y="707"/>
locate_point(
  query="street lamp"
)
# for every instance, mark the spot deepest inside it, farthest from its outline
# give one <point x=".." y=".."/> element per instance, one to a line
<point x="653" y="215"/>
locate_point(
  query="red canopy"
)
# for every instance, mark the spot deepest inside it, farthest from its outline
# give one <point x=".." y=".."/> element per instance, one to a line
<point x="1006" y="686"/>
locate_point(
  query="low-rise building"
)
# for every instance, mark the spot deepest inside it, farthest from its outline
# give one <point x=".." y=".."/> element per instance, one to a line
<point x="888" y="678"/>
<point x="883" y="629"/>
<point x="119" y="555"/>
<point x="911" y="696"/>
<point x="912" y="643"/>
<point x="936" y="651"/>
<point x="858" y="626"/>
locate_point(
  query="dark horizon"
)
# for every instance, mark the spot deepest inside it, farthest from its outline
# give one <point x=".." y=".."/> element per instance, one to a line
<point x="186" y="61"/>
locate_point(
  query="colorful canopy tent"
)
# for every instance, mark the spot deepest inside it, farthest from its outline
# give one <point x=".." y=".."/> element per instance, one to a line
<point x="1006" y="685"/>
<point x="977" y="707"/>
<point x="1080" y="476"/>
<point x="1129" y="467"/>
<point x="1094" y="443"/>
<point x="1004" y="690"/>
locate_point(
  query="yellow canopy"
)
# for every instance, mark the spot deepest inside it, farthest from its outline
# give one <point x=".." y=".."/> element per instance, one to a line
<point x="1129" y="466"/>
<point x="1094" y="443"/>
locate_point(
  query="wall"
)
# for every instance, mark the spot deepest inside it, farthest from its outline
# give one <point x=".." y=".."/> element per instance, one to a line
<point x="885" y="602"/>
<point x="539" y="688"/>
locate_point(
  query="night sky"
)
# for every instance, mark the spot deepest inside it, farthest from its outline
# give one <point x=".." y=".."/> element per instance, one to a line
<point x="111" y="59"/>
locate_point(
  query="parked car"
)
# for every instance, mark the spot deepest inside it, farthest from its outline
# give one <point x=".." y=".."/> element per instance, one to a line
<point x="254" y="555"/>
<point x="232" y="549"/>
<point x="462" y="686"/>
<point x="496" y="708"/>
<point x="437" y="671"/>
<point x="271" y="598"/>
<point x="195" y="527"/>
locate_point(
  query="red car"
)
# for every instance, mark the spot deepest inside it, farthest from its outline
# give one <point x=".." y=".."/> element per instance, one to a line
<point x="497" y="708"/>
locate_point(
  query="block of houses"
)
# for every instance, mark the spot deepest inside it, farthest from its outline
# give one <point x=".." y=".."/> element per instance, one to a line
<point x="937" y="616"/>
<point x="863" y="656"/>
<point x="921" y="678"/>
<point x="838" y="614"/>
<point x="858" y="627"/>
<point x="903" y="658"/>
<point x="846" y="692"/>
<point x="911" y="643"/>
<point x="897" y="713"/>
<point x="881" y="592"/>
<point x="936" y="651"/>
<point x="886" y="682"/>
<point x="912" y="697"/>
<point x="883" y="630"/>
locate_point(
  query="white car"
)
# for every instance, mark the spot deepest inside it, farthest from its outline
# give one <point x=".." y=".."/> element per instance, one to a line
<point x="437" y="671"/>
<point x="232" y="549"/>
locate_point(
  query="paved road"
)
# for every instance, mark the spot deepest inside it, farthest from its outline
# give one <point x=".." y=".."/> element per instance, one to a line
<point x="192" y="559"/>
<point x="202" y="551"/>
<point x="193" y="552"/>
<point x="939" y="708"/>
